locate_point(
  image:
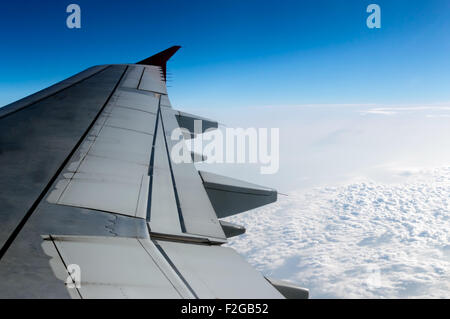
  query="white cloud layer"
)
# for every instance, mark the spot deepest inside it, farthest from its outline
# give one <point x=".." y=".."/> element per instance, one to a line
<point x="359" y="240"/>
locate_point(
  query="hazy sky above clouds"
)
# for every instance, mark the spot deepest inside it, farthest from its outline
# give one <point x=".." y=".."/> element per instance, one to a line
<point x="328" y="144"/>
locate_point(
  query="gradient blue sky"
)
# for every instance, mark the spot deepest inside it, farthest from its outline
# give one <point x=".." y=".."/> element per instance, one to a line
<point x="238" y="53"/>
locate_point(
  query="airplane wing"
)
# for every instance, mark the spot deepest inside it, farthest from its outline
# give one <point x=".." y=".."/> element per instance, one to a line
<point x="92" y="205"/>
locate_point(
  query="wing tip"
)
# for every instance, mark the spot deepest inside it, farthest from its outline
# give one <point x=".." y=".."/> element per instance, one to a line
<point x="160" y="58"/>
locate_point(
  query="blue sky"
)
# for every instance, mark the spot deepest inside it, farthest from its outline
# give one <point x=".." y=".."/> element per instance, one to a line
<point x="239" y="53"/>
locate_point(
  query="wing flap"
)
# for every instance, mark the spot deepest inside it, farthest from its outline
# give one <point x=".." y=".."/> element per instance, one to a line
<point x="163" y="214"/>
<point x="198" y="216"/>
<point x="217" y="272"/>
<point x="115" y="267"/>
<point x="141" y="268"/>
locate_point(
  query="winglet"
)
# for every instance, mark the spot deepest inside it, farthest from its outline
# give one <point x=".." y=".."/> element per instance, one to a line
<point x="161" y="58"/>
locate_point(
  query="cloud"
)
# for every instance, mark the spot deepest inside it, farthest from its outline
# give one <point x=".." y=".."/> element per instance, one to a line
<point x="380" y="112"/>
<point x="438" y="115"/>
<point x="394" y="110"/>
<point x="358" y="240"/>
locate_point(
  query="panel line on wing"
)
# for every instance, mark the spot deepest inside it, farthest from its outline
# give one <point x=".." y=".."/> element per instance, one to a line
<point x="84" y="155"/>
<point x="151" y="80"/>
<point x="140" y="78"/>
<point x="151" y="164"/>
<point x="133" y="77"/>
<point x="127" y="129"/>
<point x="161" y="269"/>
<point x="166" y="269"/>
<point x="163" y="211"/>
<point x="177" y="199"/>
<point x="134" y="109"/>
<point x="174" y="267"/>
<point x="65" y="266"/>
